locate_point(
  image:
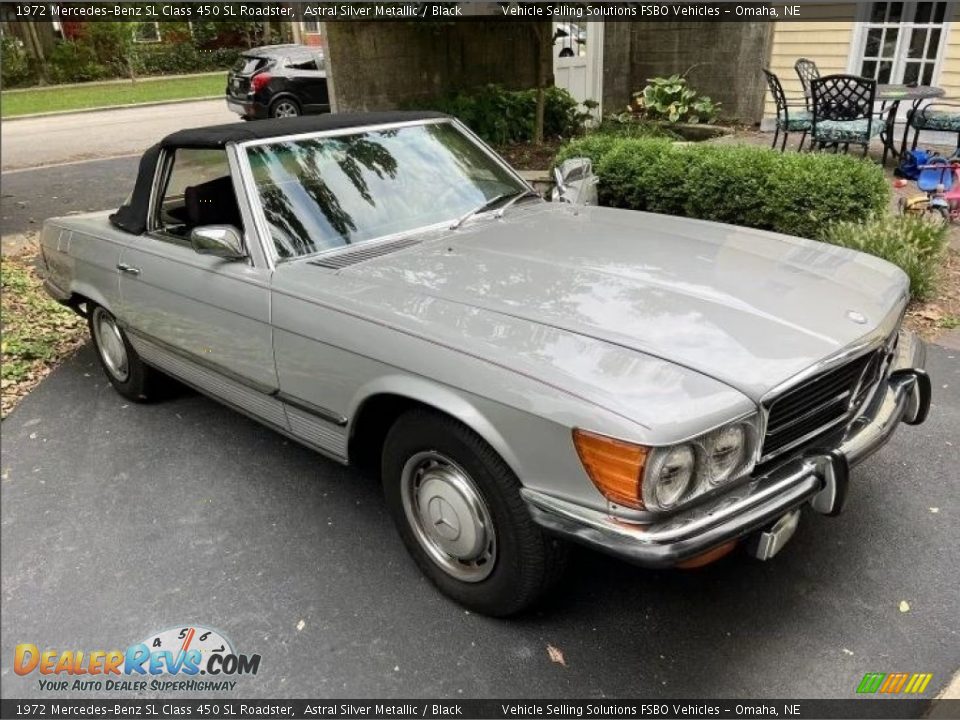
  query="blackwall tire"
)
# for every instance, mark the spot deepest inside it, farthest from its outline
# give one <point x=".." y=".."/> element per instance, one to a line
<point x="457" y="507"/>
<point x="128" y="374"/>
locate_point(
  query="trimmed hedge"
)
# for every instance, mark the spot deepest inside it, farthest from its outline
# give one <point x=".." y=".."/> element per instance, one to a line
<point x="793" y="193"/>
<point x="184" y="58"/>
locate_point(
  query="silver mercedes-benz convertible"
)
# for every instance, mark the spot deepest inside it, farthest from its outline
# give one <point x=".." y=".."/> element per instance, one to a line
<point x="387" y="290"/>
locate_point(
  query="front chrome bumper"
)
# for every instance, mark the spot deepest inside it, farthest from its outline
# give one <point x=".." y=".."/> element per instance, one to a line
<point x="819" y="477"/>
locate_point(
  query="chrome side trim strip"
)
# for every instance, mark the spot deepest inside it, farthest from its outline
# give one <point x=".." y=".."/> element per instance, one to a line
<point x="317" y="433"/>
<point x="221" y="387"/>
<point x="300" y="420"/>
<point x="323" y="413"/>
<point x="166" y="347"/>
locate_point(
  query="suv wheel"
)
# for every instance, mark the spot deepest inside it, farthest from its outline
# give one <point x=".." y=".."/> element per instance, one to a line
<point x="457" y="507"/>
<point x="284" y="107"/>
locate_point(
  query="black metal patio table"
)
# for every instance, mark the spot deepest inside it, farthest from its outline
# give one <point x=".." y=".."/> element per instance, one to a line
<point x="890" y="97"/>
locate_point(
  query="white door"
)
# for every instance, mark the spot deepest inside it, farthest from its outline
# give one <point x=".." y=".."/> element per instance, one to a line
<point x="578" y="60"/>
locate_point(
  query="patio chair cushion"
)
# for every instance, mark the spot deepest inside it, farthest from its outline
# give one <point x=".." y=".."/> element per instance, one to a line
<point x="798" y="120"/>
<point x="847" y="131"/>
<point x="936" y="120"/>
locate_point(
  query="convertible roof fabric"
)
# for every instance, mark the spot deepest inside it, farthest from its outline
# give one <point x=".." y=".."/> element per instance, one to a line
<point x="132" y="215"/>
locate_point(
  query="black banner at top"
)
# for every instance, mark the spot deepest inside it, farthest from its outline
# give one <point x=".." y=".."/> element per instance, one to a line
<point x="372" y="10"/>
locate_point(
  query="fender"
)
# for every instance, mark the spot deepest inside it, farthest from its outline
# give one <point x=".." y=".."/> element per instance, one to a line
<point x="455" y="403"/>
<point x="88" y="291"/>
<point x="282" y="95"/>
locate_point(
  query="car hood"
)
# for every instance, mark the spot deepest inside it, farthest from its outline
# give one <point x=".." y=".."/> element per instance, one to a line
<point x="748" y="308"/>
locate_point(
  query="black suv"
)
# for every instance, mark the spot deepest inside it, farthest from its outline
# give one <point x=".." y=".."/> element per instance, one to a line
<point x="278" y="81"/>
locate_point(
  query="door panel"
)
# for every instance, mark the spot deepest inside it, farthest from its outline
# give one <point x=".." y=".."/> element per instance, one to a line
<point x="311" y="86"/>
<point x="213" y="311"/>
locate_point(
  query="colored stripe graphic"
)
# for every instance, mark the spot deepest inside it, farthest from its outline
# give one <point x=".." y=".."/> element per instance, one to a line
<point x="871" y="682"/>
<point x="918" y="682"/>
<point x="894" y="683"/>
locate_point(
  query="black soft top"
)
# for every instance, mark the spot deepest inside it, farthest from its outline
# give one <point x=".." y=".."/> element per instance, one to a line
<point x="132" y="215"/>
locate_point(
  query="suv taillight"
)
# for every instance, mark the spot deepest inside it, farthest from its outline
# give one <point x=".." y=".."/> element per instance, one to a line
<point x="258" y="82"/>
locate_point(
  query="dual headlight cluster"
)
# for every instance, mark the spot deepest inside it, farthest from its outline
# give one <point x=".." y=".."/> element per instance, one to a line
<point x="662" y="478"/>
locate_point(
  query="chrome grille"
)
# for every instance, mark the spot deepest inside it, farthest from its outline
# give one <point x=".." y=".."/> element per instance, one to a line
<point x="820" y="403"/>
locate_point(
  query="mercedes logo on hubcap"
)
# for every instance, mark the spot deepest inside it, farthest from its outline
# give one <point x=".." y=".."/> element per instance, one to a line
<point x="444" y="519"/>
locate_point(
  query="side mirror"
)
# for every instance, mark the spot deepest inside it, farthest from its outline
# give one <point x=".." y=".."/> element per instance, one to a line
<point x="221" y="241"/>
<point x="574" y="182"/>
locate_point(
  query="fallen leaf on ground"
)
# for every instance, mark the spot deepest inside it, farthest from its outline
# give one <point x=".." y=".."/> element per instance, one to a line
<point x="556" y="655"/>
<point x="904" y="606"/>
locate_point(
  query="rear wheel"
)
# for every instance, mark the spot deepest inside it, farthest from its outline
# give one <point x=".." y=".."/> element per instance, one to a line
<point x="284" y="107"/>
<point x="458" y="509"/>
<point x="128" y="374"/>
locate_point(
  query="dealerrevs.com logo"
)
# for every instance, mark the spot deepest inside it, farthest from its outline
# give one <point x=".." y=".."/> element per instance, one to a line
<point x="173" y="659"/>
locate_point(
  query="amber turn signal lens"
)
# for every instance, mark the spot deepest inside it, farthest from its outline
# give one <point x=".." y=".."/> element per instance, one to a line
<point x="614" y="466"/>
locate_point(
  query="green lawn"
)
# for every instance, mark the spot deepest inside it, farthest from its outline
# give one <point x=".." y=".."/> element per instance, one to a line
<point x="53" y="98"/>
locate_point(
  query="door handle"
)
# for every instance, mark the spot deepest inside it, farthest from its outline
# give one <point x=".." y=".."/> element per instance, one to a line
<point x="129" y="269"/>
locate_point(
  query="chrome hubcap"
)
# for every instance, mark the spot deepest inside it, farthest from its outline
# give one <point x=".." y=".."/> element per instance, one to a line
<point x="448" y="516"/>
<point x="110" y="344"/>
<point x="286" y="109"/>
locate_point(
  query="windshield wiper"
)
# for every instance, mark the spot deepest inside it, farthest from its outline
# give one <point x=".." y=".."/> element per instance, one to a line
<point x="519" y="196"/>
<point x="485" y="205"/>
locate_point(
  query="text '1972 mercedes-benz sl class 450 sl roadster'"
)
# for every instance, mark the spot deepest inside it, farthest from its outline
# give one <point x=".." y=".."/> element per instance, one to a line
<point x="387" y="290"/>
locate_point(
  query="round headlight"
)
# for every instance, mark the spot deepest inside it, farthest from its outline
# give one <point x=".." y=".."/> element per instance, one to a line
<point x="726" y="453"/>
<point x="673" y="476"/>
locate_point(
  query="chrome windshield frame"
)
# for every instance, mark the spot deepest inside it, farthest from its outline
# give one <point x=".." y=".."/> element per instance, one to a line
<point x="248" y="182"/>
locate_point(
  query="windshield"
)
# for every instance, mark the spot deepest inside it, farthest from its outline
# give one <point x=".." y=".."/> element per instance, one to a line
<point x="326" y="192"/>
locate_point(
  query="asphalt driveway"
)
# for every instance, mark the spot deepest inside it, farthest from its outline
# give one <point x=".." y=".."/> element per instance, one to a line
<point x="119" y="520"/>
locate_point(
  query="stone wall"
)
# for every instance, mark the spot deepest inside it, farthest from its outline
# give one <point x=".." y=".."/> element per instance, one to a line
<point x="386" y="65"/>
<point x="727" y="59"/>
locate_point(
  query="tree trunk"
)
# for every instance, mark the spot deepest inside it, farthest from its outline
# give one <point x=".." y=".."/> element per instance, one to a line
<point x="34" y="49"/>
<point x="544" y="39"/>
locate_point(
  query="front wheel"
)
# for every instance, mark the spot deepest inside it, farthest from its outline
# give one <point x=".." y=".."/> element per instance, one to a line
<point x="128" y="374"/>
<point x="457" y="507"/>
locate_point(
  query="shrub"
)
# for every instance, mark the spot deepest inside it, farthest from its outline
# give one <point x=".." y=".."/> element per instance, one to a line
<point x="164" y="59"/>
<point x="627" y="125"/>
<point x="71" y="61"/>
<point x="797" y="194"/>
<point x="112" y="45"/>
<point x="502" y="116"/>
<point x="14" y="63"/>
<point x="671" y="99"/>
<point x="593" y="146"/>
<point x="913" y="243"/>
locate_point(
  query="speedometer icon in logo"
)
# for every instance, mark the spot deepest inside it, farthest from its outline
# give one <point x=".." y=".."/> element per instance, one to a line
<point x="181" y="640"/>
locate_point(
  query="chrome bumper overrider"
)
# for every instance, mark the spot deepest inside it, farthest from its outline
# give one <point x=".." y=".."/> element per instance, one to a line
<point x="819" y="477"/>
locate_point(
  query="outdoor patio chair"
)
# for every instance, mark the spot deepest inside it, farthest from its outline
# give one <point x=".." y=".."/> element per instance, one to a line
<point x="843" y="112"/>
<point x="790" y="117"/>
<point x="940" y="116"/>
<point x="807" y="71"/>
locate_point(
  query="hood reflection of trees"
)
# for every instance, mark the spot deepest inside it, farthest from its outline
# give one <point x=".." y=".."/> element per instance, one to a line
<point x="302" y="160"/>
